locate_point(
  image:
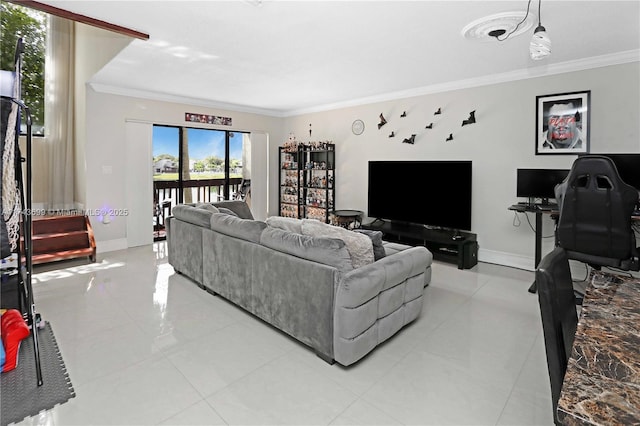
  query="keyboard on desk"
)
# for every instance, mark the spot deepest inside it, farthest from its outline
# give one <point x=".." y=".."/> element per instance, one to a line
<point x="547" y="207"/>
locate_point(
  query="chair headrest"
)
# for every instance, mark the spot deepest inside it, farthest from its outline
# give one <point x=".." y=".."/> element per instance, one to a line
<point x="596" y="172"/>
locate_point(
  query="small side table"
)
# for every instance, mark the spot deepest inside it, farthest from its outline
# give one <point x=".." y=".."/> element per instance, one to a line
<point x="349" y="219"/>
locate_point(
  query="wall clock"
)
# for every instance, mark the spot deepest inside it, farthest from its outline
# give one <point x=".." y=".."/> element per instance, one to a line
<point x="357" y="127"/>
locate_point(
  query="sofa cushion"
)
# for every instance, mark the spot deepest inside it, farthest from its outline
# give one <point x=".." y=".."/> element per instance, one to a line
<point x="191" y="214"/>
<point x="286" y="223"/>
<point x="359" y="246"/>
<point x="207" y="206"/>
<point x="376" y="240"/>
<point x="328" y="251"/>
<point x="234" y="226"/>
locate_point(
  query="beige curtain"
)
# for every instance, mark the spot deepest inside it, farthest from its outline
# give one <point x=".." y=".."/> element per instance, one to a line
<point x="59" y="112"/>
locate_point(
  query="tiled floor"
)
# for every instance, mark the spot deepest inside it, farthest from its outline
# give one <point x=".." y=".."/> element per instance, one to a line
<point x="146" y="346"/>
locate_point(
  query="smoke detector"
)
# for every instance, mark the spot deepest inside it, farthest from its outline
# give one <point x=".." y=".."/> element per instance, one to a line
<point x="498" y="26"/>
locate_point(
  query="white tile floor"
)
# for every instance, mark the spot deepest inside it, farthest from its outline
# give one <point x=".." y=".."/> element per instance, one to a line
<point x="145" y="346"/>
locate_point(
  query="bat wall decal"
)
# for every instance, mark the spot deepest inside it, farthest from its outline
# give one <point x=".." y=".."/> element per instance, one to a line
<point x="382" y="122"/>
<point x="410" y="140"/>
<point x="429" y="126"/>
<point x="392" y="135"/>
<point x="450" y="137"/>
<point x="404" y="114"/>
<point x="471" y="119"/>
<point x="438" y="112"/>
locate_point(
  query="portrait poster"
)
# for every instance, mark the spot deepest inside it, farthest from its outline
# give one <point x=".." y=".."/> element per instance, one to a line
<point x="563" y="123"/>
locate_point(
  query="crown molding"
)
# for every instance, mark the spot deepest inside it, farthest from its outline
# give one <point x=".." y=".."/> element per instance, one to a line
<point x="523" y="74"/>
<point x="165" y="97"/>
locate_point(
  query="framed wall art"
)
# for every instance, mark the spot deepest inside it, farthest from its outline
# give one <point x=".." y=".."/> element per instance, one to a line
<point x="207" y="119"/>
<point x="563" y="123"/>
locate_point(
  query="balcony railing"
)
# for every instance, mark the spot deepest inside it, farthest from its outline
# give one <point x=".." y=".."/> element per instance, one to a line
<point x="202" y="190"/>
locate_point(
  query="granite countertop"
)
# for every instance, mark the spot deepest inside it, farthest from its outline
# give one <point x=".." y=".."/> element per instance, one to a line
<point x="602" y="382"/>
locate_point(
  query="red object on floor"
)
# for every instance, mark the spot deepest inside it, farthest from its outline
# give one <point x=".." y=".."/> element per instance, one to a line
<point x="14" y="330"/>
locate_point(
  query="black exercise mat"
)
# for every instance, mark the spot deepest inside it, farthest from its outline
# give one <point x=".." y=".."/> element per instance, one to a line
<point x="21" y="396"/>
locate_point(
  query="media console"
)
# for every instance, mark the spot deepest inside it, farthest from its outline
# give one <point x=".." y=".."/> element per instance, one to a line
<point x="463" y="250"/>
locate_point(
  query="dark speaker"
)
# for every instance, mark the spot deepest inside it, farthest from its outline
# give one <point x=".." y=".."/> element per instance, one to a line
<point x="470" y="255"/>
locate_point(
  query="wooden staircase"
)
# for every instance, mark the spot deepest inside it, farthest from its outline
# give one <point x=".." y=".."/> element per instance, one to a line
<point x="62" y="237"/>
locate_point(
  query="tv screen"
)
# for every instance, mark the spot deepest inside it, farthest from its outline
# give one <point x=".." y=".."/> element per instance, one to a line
<point x="433" y="193"/>
<point x="539" y="183"/>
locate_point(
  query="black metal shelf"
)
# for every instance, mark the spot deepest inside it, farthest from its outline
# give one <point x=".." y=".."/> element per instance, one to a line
<point x="313" y="166"/>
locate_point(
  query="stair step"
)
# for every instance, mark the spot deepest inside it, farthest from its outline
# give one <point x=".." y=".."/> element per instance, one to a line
<point x="53" y="235"/>
<point x="51" y="224"/>
<point x="63" y="255"/>
<point x="44" y="243"/>
<point x="61" y="237"/>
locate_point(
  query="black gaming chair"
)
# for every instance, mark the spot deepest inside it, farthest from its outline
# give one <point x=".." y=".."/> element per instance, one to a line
<point x="559" y="317"/>
<point x="594" y="224"/>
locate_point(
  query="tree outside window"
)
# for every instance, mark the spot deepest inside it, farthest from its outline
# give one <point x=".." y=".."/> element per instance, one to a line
<point x="17" y="21"/>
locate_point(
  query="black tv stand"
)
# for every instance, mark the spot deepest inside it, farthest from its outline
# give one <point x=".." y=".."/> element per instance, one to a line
<point x="446" y="245"/>
<point x="457" y="236"/>
<point x="377" y="222"/>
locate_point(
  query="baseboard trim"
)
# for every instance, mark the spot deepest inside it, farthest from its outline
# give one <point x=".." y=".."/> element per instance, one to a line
<point x="506" y="259"/>
<point x="111" y="245"/>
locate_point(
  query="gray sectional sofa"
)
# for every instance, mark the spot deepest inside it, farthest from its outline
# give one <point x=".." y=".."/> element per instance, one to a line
<point x="304" y="285"/>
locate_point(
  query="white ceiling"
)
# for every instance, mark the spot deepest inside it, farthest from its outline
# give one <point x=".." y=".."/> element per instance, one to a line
<point x="288" y="57"/>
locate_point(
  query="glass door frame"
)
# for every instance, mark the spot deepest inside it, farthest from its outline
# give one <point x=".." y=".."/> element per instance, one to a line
<point x="180" y="188"/>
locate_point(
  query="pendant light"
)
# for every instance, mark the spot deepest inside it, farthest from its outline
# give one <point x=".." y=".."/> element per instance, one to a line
<point x="540" y="46"/>
<point x="496" y="27"/>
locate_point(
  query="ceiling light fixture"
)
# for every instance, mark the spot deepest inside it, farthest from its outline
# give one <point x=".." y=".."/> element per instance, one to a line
<point x="489" y="28"/>
<point x="540" y="45"/>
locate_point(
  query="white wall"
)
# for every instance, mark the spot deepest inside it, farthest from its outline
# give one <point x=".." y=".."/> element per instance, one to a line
<point x="94" y="48"/>
<point x="501" y="141"/>
<point x="138" y="170"/>
<point x="260" y="175"/>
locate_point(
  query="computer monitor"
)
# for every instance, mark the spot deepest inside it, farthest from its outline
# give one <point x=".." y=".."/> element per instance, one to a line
<point x="539" y="183"/>
<point x="628" y="166"/>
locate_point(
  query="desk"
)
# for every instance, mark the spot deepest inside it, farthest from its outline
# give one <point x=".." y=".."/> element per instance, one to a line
<point x="539" y="210"/>
<point x="602" y="382"/>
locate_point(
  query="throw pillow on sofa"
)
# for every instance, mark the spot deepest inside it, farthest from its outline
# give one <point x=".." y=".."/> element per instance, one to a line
<point x="359" y="246"/>
<point x="376" y="240"/>
<point x="233" y="226"/>
<point x="227" y="211"/>
<point x="329" y="251"/>
<point x="285" y="223"/>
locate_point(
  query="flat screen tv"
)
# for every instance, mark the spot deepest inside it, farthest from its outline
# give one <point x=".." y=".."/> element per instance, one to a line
<point x="431" y="193"/>
<point x="539" y="183"/>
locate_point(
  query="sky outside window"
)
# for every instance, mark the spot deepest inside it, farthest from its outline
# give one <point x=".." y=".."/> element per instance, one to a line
<point x="202" y="143"/>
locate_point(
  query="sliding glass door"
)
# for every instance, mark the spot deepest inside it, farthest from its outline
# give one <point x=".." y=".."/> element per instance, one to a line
<point x="192" y="165"/>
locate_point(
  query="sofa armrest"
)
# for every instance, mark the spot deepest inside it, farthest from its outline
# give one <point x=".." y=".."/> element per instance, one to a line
<point x="363" y="284"/>
<point x="373" y="302"/>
